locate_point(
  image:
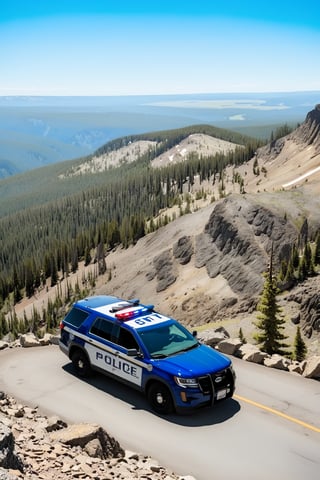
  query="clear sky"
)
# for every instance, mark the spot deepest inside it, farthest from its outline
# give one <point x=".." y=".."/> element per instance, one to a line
<point x="102" y="47"/>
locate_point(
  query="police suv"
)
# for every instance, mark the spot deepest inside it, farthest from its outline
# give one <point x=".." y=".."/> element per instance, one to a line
<point x="149" y="351"/>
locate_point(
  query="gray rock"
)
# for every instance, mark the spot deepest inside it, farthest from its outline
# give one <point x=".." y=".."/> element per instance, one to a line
<point x="310" y="313"/>
<point x="29" y="340"/>
<point x="296" y="367"/>
<point x="212" y="337"/>
<point x="183" y="250"/>
<point x="82" y="434"/>
<point x="251" y="353"/>
<point x="312" y="367"/>
<point x="277" y="361"/>
<point x="3" y="345"/>
<point x="229" y="346"/>
<point x="237" y="240"/>
<point x="55" y="423"/>
<point x="163" y="265"/>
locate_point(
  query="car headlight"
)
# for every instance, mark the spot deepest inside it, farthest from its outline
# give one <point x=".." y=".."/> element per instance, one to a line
<point x="186" y="382"/>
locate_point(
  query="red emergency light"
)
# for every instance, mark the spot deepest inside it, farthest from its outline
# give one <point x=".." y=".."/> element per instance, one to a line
<point x="137" y="312"/>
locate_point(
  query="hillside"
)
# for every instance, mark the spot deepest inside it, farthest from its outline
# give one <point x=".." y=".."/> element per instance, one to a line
<point x="131" y="155"/>
<point x="39" y="131"/>
<point x="223" y="285"/>
<point x="205" y="267"/>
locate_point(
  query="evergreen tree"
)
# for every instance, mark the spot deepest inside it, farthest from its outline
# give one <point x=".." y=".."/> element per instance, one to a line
<point x="54" y="272"/>
<point x="241" y="336"/>
<point x="87" y="256"/>
<point x="303" y="269"/>
<point x="16" y="288"/>
<point x="309" y="261"/>
<point x="300" y="348"/>
<point x="316" y="256"/>
<point x="290" y="278"/>
<point x="270" y="325"/>
<point x="295" y="257"/>
<point x="3" y="325"/>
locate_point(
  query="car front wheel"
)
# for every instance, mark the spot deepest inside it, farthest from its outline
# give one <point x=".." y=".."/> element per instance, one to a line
<point x="160" y="398"/>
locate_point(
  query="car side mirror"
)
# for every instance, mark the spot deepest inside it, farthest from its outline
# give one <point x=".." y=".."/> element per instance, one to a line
<point x="195" y="333"/>
<point x="132" y="352"/>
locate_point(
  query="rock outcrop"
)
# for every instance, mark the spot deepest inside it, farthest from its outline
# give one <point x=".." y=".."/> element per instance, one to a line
<point x="33" y="446"/>
<point x="309" y="132"/>
<point x="164" y="270"/>
<point x="238" y="240"/>
<point x="306" y="298"/>
<point x="236" y="243"/>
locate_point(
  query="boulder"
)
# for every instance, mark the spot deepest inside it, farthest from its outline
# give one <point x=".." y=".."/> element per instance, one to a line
<point x="229" y="346"/>
<point x="277" y="361"/>
<point x="29" y="340"/>
<point x="296" y="367"/>
<point x="312" y="367"/>
<point x="212" y="337"/>
<point x="82" y="434"/>
<point x="3" y="345"/>
<point x="49" y="339"/>
<point x="55" y="423"/>
<point x="251" y="353"/>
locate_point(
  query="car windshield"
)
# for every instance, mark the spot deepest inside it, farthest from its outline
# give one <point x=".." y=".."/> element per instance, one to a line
<point x="165" y="340"/>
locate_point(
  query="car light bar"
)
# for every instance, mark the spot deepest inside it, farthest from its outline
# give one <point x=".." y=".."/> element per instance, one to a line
<point x="127" y="314"/>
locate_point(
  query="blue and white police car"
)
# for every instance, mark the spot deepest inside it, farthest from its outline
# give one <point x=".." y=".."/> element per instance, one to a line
<point x="149" y="351"/>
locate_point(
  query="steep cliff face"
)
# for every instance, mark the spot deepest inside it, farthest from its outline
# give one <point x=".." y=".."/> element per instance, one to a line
<point x="309" y="132"/>
<point x="238" y="240"/>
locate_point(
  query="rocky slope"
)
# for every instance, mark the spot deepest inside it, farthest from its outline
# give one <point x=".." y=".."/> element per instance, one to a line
<point x="33" y="446"/>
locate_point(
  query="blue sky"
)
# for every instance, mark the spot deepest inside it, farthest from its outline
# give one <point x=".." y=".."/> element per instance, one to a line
<point x="99" y="47"/>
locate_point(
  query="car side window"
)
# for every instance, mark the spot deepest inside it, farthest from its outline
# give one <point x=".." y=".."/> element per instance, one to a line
<point x="127" y="340"/>
<point x="102" y="328"/>
<point x="76" y="317"/>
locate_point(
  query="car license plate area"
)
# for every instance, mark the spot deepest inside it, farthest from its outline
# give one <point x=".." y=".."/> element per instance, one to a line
<point x="221" y="394"/>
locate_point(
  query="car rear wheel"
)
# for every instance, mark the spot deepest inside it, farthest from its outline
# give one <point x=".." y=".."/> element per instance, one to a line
<point x="160" y="398"/>
<point x="81" y="364"/>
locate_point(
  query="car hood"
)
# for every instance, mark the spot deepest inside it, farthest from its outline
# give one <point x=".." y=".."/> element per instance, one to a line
<point x="194" y="363"/>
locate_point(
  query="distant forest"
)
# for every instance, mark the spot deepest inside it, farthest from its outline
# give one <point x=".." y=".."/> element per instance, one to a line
<point x="47" y="225"/>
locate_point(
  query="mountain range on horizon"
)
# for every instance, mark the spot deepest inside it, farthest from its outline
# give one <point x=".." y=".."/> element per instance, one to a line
<point x="38" y="131"/>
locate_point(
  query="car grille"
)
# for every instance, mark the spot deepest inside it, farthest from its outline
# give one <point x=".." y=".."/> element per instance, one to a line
<point x="209" y="384"/>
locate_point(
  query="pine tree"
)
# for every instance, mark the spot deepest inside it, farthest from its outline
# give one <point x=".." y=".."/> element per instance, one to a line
<point x="316" y="256"/>
<point x="270" y="325"/>
<point x="300" y="348"/>
<point x="87" y="256"/>
<point x="241" y="336"/>
<point x="295" y="257"/>
<point x="309" y="259"/>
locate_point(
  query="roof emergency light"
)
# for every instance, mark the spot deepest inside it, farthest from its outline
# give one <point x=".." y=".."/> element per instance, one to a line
<point x="127" y="314"/>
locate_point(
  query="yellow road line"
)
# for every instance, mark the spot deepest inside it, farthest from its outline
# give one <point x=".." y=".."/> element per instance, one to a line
<point x="276" y="412"/>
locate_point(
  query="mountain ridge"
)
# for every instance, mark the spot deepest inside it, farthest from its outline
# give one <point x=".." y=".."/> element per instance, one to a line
<point x="228" y="242"/>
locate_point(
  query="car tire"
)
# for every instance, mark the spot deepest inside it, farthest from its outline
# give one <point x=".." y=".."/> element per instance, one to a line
<point x="160" y="399"/>
<point x="81" y="364"/>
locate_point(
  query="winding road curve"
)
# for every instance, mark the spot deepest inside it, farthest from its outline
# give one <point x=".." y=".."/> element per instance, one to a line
<point x="269" y="430"/>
